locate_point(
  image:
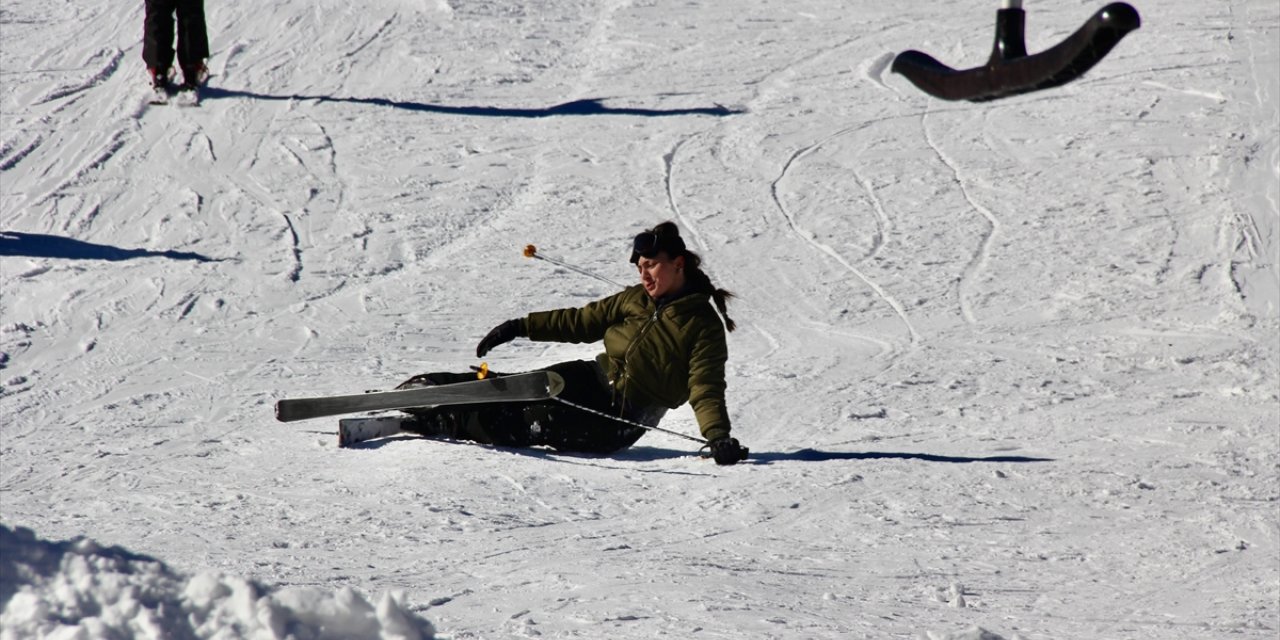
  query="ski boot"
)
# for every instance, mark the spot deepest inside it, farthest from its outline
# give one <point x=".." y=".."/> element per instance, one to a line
<point x="432" y="422"/>
<point x="162" y="87"/>
<point x="194" y="77"/>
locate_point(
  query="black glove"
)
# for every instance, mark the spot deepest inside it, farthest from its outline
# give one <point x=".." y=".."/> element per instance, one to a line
<point x="501" y="334"/>
<point x="728" y="451"/>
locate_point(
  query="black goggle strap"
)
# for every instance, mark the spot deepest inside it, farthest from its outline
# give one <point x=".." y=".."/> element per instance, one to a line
<point x="645" y="243"/>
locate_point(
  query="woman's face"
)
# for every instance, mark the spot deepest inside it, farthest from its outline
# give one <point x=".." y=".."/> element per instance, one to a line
<point x="661" y="275"/>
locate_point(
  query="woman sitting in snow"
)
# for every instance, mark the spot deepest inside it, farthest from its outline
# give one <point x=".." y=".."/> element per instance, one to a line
<point x="664" y="345"/>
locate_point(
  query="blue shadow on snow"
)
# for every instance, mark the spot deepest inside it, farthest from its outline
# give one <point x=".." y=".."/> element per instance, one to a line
<point x="814" y="455"/>
<point x="585" y="107"/>
<point x="654" y="454"/>
<point x="38" y="245"/>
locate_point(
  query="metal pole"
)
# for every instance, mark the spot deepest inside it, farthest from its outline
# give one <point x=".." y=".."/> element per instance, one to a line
<point x="631" y="422"/>
<point x="532" y="252"/>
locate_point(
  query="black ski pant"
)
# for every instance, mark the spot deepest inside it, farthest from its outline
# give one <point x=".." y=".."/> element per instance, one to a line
<point x="157" y="34"/>
<point x="550" y="422"/>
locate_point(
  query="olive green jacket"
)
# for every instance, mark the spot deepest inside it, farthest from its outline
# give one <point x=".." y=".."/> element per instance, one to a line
<point x="654" y="354"/>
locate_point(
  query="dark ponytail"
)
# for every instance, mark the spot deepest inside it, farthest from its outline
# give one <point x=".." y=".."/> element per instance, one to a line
<point x="697" y="279"/>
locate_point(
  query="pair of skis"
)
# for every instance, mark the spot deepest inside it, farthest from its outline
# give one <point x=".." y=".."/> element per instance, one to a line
<point x="172" y="94"/>
<point x="185" y="95"/>
<point x="537" y="385"/>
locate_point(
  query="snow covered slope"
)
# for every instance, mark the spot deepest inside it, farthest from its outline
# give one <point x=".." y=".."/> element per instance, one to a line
<point x="1011" y="367"/>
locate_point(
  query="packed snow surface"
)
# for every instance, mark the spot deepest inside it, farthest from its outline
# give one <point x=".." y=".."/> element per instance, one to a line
<point x="1007" y="370"/>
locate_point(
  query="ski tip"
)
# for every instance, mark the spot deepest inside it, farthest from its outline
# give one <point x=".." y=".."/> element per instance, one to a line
<point x="555" y="384"/>
<point x="283" y="413"/>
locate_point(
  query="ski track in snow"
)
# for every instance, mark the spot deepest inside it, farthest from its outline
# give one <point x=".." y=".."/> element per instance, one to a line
<point x="1006" y="370"/>
<point x="809" y="237"/>
<point x="669" y="161"/>
<point x="983" y="255"/>
<point x="111" y="60"/>
<point x="768" y="89"/>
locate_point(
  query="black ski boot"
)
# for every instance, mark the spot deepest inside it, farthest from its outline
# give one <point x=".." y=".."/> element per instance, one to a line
<point x="436" y="423"/>
<point x="161" y="85"/>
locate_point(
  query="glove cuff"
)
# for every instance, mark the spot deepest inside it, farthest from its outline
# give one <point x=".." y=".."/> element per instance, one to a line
<point x="715" y="433"/>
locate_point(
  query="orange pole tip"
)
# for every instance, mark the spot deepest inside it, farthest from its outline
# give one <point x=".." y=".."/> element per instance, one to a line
<point x="530" y="251"/>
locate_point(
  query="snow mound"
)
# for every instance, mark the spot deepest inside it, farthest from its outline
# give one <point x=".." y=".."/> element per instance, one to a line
<point x="78" y="589"/>
<point x="973" y="633"/>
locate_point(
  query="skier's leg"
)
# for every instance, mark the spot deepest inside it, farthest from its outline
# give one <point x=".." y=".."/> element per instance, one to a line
<point x="438" y="377"/>
<point x="193" y="41"/>
<point x="524" y="424"/>
<point x="527" y="424"/>
<point x="565" y="427"/>
<point x="157" y="36"/>
<point x="497" y="423"/>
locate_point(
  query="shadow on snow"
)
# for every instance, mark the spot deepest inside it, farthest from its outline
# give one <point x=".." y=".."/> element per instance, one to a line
<point x="38" y="245"/>
<point x="654" y="454"/>
<point x="814" y="455"/>
<point x="585" y="107"/>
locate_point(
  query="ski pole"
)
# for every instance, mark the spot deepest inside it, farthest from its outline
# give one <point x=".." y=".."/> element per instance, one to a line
<point x="483" y="372"/>
<point x="531" y="251"/>
<point x="632" y="422"/>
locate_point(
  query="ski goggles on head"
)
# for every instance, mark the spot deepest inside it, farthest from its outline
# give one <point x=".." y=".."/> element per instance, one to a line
<point x="650" y="243"/>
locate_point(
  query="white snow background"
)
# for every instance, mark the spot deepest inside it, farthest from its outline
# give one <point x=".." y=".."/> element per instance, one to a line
<point x="1007" y="370"/>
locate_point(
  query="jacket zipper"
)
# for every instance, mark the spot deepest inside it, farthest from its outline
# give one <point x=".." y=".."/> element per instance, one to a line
<point x="626" y="357"/>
